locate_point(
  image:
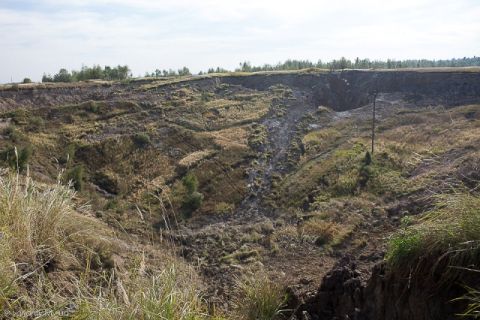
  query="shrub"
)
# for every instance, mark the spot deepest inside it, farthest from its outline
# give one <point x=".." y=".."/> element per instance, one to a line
<point x="75" y="175"/>
<point x="259" y="298"/>
<point x="69" y="154"/>
<point x="365" y="172"/>
<point x="192" y="199"/>
<point x="141" y="140"/>
<point x="192" y="202"/>
<point x="13" y="134"/>
<point x="91" y="106"/>
<point x="18" y="116"/>
<point x="109" y="182"/>
<point x="27" y="80"/>
<point x="17" y="160"/>
<point x="190" y="182"/>
<point x="35" y="124"/>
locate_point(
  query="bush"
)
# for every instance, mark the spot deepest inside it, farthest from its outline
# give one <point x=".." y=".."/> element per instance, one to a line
<point x="27" y="80"/>
<point x="190" y="182"/>
<point x="35" y="124"/>
<point x="141" y="140"/>
<point x="17" y="160"/>
<point x="365" y="172"/>
<point x="193" y="199"/>
<point x="192" y="202"/>
<point x="69" y="154"/>
<point x="91" y="106"/>
<point x="75" y="176"/>
<point x="13" y="134"/>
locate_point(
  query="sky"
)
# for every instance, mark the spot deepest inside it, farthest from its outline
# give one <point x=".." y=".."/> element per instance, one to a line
<point x="42" y="36"/>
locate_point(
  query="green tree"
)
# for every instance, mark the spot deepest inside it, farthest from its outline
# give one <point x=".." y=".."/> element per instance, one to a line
<point x="63" y="76"/>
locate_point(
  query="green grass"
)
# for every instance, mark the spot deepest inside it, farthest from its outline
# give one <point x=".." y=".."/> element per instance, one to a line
<point x="472" y="297"/>
<point x="449" y="235"/>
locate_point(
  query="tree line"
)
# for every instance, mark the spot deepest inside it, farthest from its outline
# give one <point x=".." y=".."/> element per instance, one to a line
<point x="169" y="73"/>
<point x="88" y="73"/>
<point x="123" y="72"/>
<point x="358" y="63"/>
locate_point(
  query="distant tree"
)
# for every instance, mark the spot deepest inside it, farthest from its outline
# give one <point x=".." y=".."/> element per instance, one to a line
<point x="47" y="78"/>
<point x="245" y="67"/>
<point x="27" y="80"/>
<point x="63" y="76"/>
<point x="184" y="72"/>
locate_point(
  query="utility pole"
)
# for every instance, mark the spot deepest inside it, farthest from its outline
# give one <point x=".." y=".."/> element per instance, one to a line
<point x="373" y="121"/>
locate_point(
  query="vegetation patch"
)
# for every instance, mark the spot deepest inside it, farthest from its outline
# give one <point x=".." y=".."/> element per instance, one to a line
<point x="448" y="236"/>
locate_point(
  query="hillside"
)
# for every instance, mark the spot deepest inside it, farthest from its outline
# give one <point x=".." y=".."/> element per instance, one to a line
<point x="244" y="176"/>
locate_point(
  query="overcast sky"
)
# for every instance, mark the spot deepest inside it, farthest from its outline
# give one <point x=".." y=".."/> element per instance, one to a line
<point x="40" y="36"/>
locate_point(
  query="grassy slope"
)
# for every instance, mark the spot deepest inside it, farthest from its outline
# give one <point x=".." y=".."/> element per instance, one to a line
<point x="330" y="202"/>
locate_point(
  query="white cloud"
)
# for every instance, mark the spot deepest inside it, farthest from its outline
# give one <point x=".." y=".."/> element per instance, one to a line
<point x="147" y="34"/>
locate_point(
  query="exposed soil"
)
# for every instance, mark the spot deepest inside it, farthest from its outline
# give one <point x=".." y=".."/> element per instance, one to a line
<point x="262" y="150"/>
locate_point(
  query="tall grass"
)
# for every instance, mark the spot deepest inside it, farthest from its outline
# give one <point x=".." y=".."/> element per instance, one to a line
<point x="259" y="299"/>
<point x="39" y="226"/>
<point x="472" y="297"/>
<point x="449" y="235"/>
<point x="165" y="295"/>
<point x="31" y="218"/>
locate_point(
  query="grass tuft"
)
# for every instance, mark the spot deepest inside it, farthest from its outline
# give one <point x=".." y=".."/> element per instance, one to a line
<point x="260" y="299"/>
<point x="449" y="235"/>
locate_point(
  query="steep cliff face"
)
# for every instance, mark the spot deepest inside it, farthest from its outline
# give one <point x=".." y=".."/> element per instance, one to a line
<point x="351" y="89"/>
<point x="346" y="294"/>
<point x="338" y="90"/>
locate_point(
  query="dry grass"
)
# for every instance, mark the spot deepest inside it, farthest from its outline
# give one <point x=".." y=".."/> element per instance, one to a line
<point x="56" y="261"/>
<point x="259" y="298"/>
<point x="195" y="157"/>
<point x="33" y="218"/>
<point x="323" y="232"/>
